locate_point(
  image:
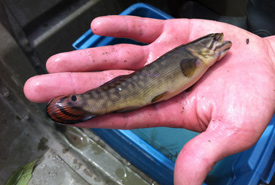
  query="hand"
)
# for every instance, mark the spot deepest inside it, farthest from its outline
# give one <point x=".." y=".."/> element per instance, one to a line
<point x="231" y="104"/>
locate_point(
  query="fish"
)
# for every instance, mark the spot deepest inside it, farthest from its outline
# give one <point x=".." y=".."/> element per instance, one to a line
<point x="166" y="77"/>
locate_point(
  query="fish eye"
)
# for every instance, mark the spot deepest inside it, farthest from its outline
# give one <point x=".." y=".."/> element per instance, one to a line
<point x="73" y="98"/>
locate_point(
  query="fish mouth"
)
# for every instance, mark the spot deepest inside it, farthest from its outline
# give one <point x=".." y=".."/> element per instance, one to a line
<point x="219" y="37"/>
<point x="222" y="46"/>
<point x="220" y="43"/>
<point x="225" y="46"/>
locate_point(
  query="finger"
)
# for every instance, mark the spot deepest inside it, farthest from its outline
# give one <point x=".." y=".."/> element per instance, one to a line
<point x="42" y="88"/>
<point x="199" y="155"/>
<point x="146" y="117"/>
<point x="144" y="30"/>
<point x="123" y="56"/>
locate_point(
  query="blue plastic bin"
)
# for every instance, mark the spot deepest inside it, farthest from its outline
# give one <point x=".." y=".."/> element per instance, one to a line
<point x="155" y="155"/>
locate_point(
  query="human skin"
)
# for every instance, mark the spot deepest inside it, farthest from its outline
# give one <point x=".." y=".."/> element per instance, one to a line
<point x="231" y="105"/>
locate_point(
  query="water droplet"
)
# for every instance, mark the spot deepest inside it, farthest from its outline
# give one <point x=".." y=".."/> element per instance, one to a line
<point x="76" y="137"/>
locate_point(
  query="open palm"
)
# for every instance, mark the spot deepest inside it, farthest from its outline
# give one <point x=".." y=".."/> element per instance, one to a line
<point x="231" y="104"/>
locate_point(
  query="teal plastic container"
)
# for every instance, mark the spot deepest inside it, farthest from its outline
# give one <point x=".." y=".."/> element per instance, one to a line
<point x="154" y="150"/>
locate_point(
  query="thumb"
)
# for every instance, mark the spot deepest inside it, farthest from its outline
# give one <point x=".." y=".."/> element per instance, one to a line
<point x="200" y="154"/>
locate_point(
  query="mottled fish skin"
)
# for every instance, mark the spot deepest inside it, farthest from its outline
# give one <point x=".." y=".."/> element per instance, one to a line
<point x="164" y="78"/>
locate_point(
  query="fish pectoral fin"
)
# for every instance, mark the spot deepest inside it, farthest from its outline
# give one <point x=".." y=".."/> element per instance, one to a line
<point x="188" y="66"/>
<point x="159" y="97"/>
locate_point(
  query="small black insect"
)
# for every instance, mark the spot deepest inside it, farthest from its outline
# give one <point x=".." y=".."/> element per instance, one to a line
<point x="247" y="41"/>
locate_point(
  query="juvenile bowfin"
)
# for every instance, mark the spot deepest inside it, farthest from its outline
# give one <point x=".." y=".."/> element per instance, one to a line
<point x="166" y="77"/>
<point x="188" y="67"/>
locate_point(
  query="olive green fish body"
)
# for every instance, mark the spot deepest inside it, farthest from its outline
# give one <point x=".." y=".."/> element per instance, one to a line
<point x="166" y="77"/>
<point x="140" y="89"/>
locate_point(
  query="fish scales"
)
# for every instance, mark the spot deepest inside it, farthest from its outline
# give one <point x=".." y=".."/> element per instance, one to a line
<point x="166" y="77"/>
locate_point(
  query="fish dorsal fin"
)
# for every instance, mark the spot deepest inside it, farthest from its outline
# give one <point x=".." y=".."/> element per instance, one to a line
<point x="188" y="66"/>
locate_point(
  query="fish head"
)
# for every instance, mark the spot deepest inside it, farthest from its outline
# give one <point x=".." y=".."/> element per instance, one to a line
<point x="68" y="109"/>
<point x="210" y="48"/>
